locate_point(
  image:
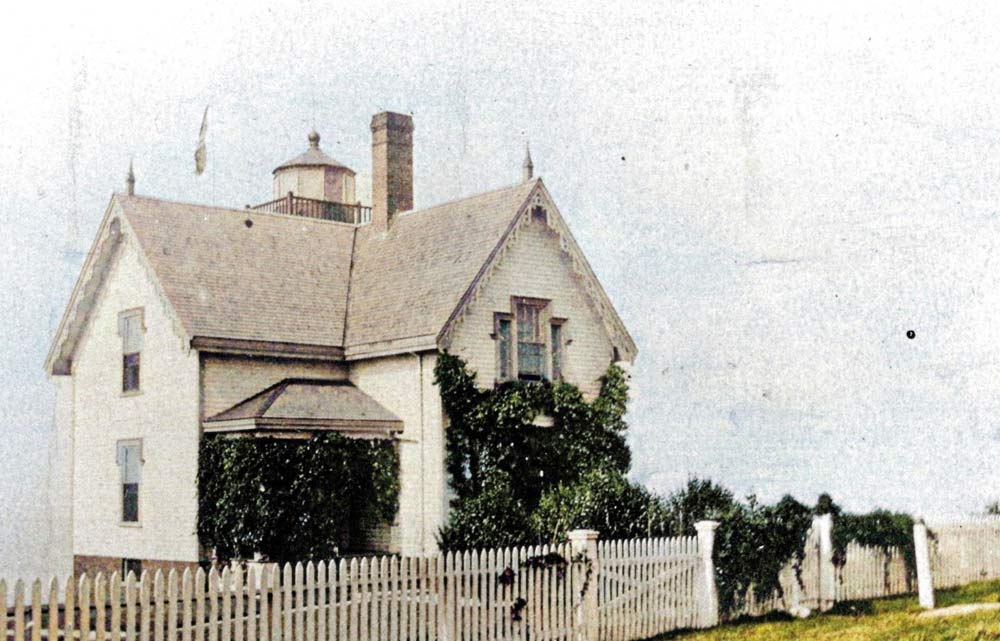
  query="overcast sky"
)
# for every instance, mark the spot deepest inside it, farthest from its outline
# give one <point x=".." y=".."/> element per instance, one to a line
<point x="772" y="194"/>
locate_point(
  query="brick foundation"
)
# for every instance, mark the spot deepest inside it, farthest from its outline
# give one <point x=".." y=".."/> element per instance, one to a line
<point x="91" y="565"/>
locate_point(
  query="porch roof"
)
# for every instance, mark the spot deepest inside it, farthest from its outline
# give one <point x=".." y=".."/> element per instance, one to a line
<point x="299" y="406"/>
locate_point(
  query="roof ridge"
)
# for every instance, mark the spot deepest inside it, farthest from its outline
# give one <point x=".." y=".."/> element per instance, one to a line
<point x="244" y="210"/>
<point x="469" y="197"/>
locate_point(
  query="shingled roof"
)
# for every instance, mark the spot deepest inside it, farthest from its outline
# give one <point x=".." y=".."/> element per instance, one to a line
<point x="407" y="281"/>
<point x="247" y="275"/>
<point x="239" y="275"/>
<point x="305" y="404"/>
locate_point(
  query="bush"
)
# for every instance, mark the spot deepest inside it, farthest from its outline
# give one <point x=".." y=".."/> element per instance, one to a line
<point x="292" y="500"/>
<point x="490" y="519"/>
<point x="604" y="500"/>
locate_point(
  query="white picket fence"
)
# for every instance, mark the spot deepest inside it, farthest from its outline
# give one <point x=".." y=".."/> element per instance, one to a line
<point x="586" y="590"/>
<point x="643" y="588"/>
<point x="819" y="583"/>
<point x="647" y="587"/>
<point x="965" y="551"/>
<point x="872" y="573"/>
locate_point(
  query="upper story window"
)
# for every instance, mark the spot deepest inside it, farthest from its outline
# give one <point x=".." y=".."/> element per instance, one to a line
<point x="530" y="339"/>
<point x="129" y="458"/>
<point x="530" y="343"/>
<point x="131" y="329"/>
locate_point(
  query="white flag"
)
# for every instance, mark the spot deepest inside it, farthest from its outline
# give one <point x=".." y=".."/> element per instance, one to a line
<point x="199" y="153"/>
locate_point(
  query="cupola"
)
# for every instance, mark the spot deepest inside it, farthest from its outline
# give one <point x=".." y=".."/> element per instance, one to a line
<point x="315" y="175"/>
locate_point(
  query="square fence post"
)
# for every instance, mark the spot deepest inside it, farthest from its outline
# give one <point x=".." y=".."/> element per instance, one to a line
<point x="587" y="617"/>
<point x="827" y="588"/>
<point x="925" y="582"/>
<point x="708" y="593"/>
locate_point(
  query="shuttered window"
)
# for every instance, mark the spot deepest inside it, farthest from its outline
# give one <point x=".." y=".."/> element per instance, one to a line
<point x="505" y="353"/>
<point x="130" y="465"/>
<point x="556" y="341"/>
<point x="131" y="329"/>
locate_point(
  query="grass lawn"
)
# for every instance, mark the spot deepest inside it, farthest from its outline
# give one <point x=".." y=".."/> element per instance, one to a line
<point x="881" y="620"/>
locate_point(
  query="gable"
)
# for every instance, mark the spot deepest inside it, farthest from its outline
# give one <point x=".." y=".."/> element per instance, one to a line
<point x="535" y="266"/>
<point x="584" y="277"/>
<point x="93" y="274"/>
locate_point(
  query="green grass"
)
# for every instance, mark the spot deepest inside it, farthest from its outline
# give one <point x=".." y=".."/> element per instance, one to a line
<point x="876" y="620"/>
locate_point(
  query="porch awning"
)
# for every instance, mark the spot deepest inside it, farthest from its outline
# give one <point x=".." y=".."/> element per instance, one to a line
<point x="303" y="406"/>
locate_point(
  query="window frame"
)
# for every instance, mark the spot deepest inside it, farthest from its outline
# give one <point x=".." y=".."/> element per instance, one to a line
<point x="120" y="446"/>
<point x="543" y="311"/>
<point x="131" y="353"/>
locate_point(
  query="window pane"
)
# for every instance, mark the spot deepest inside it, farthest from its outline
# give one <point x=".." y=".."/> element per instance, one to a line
<point x="130" y="502"/>
<point x="130" y="460"/>
<point x="527" y="323"/>
<point x="529" y="360"/>
<point x="130" y="328"/>
<point x="130" y="372"/>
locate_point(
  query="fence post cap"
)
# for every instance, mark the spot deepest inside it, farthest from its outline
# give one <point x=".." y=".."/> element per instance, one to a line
<point x="706" y="526"/>
<point x="583" y="535"/>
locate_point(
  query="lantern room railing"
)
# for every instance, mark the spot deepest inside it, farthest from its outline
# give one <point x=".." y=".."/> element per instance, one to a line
<point x="312" y="208"/>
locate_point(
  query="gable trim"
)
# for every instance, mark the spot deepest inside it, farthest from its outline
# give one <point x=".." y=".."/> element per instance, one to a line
<point x="92" y="276"/>
<point x="114" y="233"/>
<point x="598" y="298"/>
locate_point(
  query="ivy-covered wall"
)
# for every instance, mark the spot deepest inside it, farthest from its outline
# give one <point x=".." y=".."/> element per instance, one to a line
<point x="500" y="462"/>
<point x="293" y="500"/>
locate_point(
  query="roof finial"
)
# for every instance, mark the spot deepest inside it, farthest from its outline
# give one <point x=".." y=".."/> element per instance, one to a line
<point x="314" y="139"/>
<point x="528" y="168"/>
<point x="130" y="180"/>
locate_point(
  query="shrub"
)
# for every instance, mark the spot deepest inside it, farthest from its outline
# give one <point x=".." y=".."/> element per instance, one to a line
<point x="292" y="500"/>
<point x="490" y="519"/>
<point x="604" y="500"/>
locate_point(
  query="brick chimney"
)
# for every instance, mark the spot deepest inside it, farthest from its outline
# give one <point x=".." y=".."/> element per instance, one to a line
<point x="392" y="167"/>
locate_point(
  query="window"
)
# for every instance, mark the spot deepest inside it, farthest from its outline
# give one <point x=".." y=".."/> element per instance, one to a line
<point x="130" y="328"/>
<point x="530" y="341"/>
<point x="502" y="323"/>
<point x="130" y="463"/>
<point x="530" y="344"/>
<point x="131" y="565"/>
<point x="556" y="341"/>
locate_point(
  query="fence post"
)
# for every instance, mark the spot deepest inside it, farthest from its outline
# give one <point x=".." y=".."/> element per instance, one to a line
<point x="588" y="624"/>
<point x="708" y="594"/>
<point x="827" y="587"/>
<point x="925" y="582"/>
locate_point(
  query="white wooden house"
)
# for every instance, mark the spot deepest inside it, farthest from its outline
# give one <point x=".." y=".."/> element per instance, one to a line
<point x="310" y="312"/>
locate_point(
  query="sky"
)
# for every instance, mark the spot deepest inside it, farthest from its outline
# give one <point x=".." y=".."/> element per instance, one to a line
<point x="773" y="194"/>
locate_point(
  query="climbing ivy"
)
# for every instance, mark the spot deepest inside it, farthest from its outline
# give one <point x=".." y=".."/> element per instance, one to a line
<point x="500" y="464"/>
<point x="878" y="528"/>
<point x="292" y="500"/>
